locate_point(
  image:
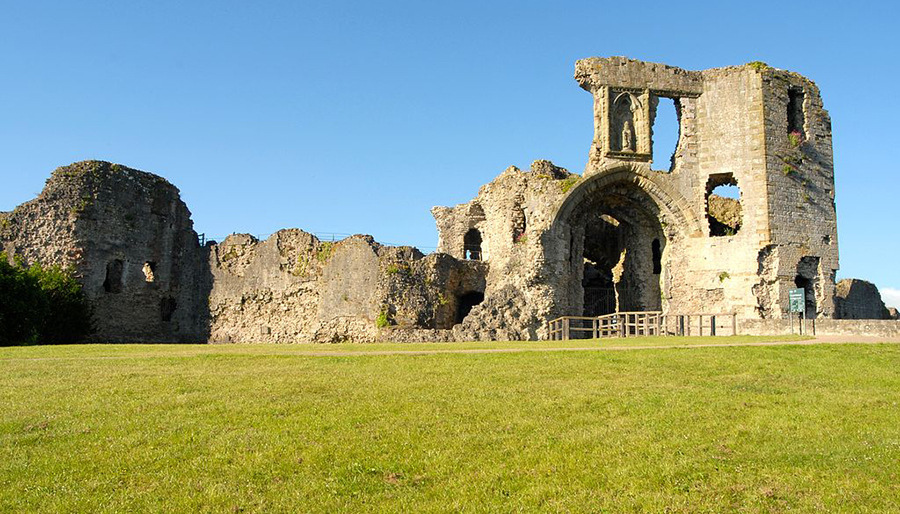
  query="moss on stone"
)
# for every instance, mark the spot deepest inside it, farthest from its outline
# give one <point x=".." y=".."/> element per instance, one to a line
<point x="569" y="183"/>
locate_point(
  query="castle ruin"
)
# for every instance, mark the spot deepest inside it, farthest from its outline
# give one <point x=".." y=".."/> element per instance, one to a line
<point x="628" y="234"/>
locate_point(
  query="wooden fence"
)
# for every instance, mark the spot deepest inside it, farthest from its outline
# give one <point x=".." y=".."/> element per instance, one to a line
<point x="641" y="323"/>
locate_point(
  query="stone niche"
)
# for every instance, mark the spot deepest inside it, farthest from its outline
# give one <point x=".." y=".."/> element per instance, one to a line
<point x="627" y="122"/>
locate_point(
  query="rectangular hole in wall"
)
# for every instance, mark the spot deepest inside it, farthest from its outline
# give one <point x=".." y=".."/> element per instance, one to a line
<point x="113" y="280"/>
<point x="666" y="131"/>
<point x="723" y="205"/>
<point x="795" y="115"/>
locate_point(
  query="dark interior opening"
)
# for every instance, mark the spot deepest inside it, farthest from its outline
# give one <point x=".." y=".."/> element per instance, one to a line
<point x="603" y="245"/>
<point x="806" y="279"/>
<point x="166" y="308"/>
<point x="657" y="257"/>
<point x="472" y="245"/>
<point x="465" y="303"/>
<point x="795" y="115"/>
<point x="613" y="233"/>
<point x="113" y="281"/>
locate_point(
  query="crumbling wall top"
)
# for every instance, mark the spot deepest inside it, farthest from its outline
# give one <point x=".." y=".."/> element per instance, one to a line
<point x="621" y="72"/>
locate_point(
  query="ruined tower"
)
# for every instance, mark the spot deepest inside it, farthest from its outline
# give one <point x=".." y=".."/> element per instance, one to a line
<point x="633" y="234"/>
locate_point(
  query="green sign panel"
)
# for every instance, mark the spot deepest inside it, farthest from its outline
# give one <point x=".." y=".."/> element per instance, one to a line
<point x="797" y="299"/>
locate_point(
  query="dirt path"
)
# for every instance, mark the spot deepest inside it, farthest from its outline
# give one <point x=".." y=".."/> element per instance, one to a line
<point x="819" y="340"/>
<point x="815" y="341"/>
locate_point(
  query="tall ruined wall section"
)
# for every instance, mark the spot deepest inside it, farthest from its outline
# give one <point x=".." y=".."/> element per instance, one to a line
<point x="731" y="146"/>
<point x="131" y="242"/>
<point x="511" y="216"/>
<point x="721" y="142"/>
<point x="734" y="130"/>
<point x="293" y="287"/>
<point x="800" y="173"/>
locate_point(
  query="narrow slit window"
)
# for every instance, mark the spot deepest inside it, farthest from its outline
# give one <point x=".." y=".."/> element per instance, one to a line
<point x="796" y="117"/>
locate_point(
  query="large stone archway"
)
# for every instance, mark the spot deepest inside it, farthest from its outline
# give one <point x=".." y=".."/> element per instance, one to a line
<point x="617" y="231"/>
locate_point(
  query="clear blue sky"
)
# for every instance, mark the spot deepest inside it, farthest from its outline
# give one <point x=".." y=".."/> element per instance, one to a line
<point x="358" y="117"/>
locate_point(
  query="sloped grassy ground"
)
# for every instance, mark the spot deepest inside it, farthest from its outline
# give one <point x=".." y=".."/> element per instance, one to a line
<point x="267" y="429"/>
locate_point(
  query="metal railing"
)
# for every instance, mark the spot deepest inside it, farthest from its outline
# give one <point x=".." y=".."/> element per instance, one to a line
<point x="641" y="323"/>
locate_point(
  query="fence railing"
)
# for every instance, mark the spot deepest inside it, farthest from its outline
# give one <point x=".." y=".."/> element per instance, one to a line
<point x="641" y="323"/>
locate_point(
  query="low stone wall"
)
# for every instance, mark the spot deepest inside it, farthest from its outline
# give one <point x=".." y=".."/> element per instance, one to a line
<point x="821" y="327"/>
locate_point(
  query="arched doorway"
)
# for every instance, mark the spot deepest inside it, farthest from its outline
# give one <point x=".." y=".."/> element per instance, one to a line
<point x="472" y="245"/>
<point x="616" y="229"/>
<point x="620" y="235"/>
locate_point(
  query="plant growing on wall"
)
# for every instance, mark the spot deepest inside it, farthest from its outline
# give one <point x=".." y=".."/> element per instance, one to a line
<point x="383" y="319"/>
<point x="569" y="183"/>
<point x="325" y="251"/>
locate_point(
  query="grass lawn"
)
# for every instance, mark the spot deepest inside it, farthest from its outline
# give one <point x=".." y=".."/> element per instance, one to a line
<point x="267" y="428"/>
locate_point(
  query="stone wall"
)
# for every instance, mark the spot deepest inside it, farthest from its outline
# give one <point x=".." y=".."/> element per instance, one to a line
<point x="293" y="287"/>
<point x="131" y="242"/>
<point x="821" y="327"/>
<point x="858" y="299"/>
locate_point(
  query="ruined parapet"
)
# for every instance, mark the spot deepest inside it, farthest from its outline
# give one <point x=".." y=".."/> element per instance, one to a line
<point x="859" y="299"/>
<point x="131" y="242"/>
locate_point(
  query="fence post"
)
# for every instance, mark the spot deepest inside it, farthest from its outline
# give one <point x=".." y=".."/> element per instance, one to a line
<point x="566" y="329"/>
<point x="733" y="324"/>
<point x="712" y="325"/>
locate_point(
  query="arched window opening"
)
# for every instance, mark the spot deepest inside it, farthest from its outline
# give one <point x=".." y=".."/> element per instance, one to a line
<point x="465" y="303"/>
<point x="472" y="245"/>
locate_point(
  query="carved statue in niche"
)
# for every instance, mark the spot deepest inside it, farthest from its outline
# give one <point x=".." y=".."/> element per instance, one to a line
<point x="622" y="136"/>
<point x="627" y="137"/>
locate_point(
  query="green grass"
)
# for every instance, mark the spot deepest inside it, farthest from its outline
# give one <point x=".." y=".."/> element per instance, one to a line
<point x="265" y="428"/>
